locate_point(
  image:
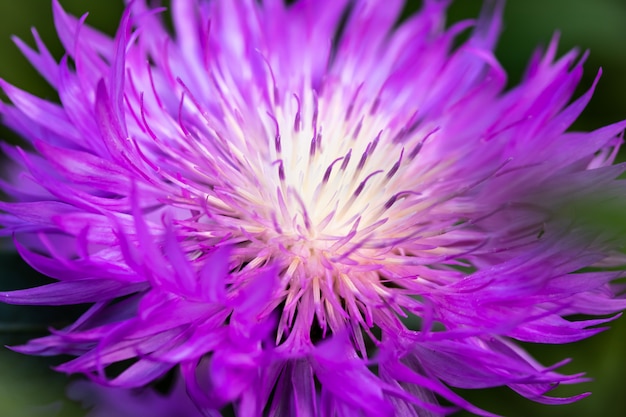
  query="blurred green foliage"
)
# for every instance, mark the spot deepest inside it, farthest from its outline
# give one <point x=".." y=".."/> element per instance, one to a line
<point x="28" y="387"/>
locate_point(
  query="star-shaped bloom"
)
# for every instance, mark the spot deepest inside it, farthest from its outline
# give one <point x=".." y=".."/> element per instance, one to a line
<point x="313" y="209"/>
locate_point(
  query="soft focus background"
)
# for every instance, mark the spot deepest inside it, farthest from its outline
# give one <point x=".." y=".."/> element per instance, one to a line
<point x="28" y="387"/>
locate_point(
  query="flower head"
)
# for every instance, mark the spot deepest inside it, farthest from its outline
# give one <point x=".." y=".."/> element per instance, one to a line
<point x="309" y="209"/>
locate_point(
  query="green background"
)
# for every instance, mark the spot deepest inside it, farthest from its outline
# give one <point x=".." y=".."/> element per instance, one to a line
<point x="28" y="387"/>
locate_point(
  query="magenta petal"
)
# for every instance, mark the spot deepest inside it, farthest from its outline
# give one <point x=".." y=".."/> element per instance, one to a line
<point x="71" y="292"/>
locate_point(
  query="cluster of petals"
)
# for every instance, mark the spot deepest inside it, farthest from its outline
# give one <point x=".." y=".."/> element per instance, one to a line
<point x="308" y="209"/>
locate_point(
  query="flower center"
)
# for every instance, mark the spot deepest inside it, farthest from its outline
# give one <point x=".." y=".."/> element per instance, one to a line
<point x="328" y="188"/>
<point x="337" y="186"/>
<point x="337" y="174"/>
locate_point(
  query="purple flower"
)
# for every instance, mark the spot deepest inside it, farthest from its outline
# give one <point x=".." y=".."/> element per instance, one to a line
<point x="308" y="209"/>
